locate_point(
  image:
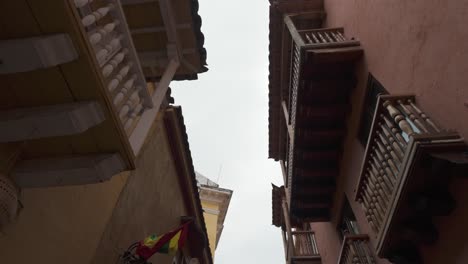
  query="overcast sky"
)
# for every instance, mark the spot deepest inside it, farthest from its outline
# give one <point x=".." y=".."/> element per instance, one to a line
<point x="226" y="114"/>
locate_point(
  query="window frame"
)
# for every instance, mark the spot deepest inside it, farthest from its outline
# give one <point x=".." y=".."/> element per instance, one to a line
<point x="373" y="90"/>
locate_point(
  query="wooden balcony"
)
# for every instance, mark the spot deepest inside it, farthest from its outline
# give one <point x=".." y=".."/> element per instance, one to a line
<point x="356" y="250"/>
<point x="404" y="179"/>
<point x="318" y="68"/>
<point x="302" y="248"/>
<point x="299" y="245"/>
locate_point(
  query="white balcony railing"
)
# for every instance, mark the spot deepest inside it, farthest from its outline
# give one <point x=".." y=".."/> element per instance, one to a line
<point x="116" y="56"/>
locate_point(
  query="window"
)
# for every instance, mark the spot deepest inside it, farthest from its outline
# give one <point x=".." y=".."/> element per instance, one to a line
<point x="347" y="224"/>
<point x="374" y="89"/>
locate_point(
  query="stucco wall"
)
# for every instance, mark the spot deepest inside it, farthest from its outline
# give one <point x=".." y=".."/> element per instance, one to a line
<point x="211" y="221"/>
<point x="416" y="47"/>
<point x="60" y="225"/>
<point x="151" y="202"/>
<point x="96" y="223"/>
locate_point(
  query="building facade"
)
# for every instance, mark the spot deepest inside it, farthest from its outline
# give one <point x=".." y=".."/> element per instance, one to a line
<point x="92" y="157"/>
<point x="215" y="203"/>
<point x="373" y="155"/>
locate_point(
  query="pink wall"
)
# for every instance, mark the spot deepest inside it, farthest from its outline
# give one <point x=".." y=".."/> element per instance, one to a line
<point x="417" y="47"/>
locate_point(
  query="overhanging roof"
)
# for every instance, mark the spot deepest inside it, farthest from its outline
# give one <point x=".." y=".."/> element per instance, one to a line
<point x="178" y="139"/>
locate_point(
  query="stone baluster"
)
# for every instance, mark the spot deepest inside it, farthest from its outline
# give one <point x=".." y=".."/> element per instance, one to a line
<point x="113" y="63"/>
<point x="127" y="87"/>
<point x="119" y="77"/>
<point x="96" y="15"/>
<point x="399" y="118"/>
<point x="423" y="115"/>
<point x="81" y="3"/>
<point x="112" y="46"/>
<point x="394" y="131"/>
<point x="133" y="102"/>
<point x="99" y="34"/>
<point x="416" y="121"/>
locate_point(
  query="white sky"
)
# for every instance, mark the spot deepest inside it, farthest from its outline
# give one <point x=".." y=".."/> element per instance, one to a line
<point x="226" y="114"/>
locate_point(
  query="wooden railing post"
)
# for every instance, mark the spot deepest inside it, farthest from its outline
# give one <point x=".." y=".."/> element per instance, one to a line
<point x="356" y="250"/>
<point x="291" y="251"/>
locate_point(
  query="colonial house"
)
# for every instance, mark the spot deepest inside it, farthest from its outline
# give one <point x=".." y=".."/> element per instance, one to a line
<point x="92" y="157"/>
<point x="215" y="203"/>
<point x="373" y="167"/>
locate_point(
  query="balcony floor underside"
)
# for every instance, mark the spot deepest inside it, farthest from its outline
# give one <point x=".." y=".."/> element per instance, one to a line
<point x="319" y="133"/>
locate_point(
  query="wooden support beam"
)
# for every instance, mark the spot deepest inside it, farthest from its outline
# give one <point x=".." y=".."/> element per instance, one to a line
<point x="156" y="55"/>
<point x="288" y="230"/>
<point x="49" y="121"/>
<point x="284" y="172"/>
<point x="139" y="134"/>
<point x="293" y="31"/>
<point x="145" y="30"/>
<point x="29" y="54"/>
<point x="285" y="245"/>
<point x="167" y="13"/>
<point x="64" y="171"/>
<point x="136" y="2"/>
<point x="286" y="118"/>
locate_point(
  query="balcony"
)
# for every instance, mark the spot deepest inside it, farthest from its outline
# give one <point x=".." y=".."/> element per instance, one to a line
<point x="318" y="75"/>
<point x="302" y="248"/>
<point x="356" y="250"/>
<point x="299" y="245"/>
<point x="408" y="163"/>
<point x="105" y="30"/>
<point x="77" y="94"/>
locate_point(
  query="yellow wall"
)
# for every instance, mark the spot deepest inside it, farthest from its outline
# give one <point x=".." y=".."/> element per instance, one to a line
<point x="211" y="221"/>
<point x="62" y="224"/>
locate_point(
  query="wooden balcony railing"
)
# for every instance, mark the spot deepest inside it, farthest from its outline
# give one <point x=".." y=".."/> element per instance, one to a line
<point x="395" y="166"/>
<point x="108" y="35"/>
<point x="302" y="248"/>
<point x="312" y="62"/>
<point x="325" y="38"/>
<point x="304" y="243"/>
<point x="356" y="250"/>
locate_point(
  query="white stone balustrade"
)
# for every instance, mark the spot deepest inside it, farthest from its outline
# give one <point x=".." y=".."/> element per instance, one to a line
<point x="116" y="56"/>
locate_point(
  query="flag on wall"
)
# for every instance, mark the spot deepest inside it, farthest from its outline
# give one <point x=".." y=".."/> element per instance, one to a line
<point x="167" y="243"/>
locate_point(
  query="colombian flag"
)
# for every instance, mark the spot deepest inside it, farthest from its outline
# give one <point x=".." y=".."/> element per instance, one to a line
<point x="168" y="243"/>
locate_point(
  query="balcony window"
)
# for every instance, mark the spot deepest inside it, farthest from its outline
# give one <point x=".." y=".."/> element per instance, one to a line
<point x="374" y="89"/>
<point x="348" y="224"/>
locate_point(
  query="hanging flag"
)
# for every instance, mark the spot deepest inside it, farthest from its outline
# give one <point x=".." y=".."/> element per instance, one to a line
<point x="168" y="243"/>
